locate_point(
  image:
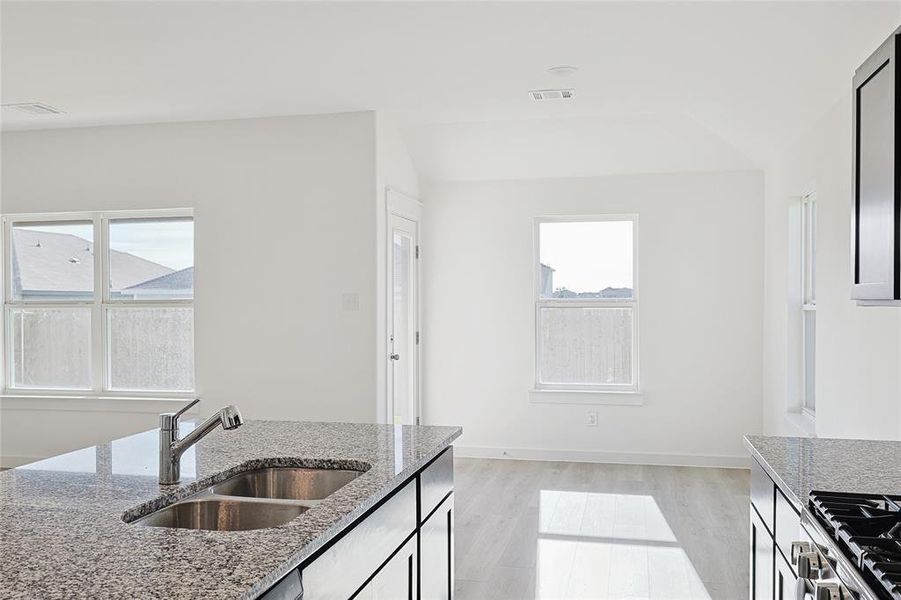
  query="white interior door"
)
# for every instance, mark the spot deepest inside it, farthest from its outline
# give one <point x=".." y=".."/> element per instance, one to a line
<point x="403" y="320"/>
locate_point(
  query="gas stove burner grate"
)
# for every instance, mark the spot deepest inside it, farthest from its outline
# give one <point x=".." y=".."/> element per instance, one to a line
<point x="868" y="529"/>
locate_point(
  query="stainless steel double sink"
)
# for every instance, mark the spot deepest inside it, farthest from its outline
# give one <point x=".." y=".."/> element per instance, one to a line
<point x="256" y="499"/>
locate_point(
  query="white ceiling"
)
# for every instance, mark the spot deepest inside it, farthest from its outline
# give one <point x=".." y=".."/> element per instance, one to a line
<point x="661" y="86"/>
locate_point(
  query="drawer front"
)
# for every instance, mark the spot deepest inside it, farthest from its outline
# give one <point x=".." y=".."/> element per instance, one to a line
<point x="435" y="482"/>
<point x="788" y="527"/>
<point x="762" y="496"/>
<point x="342" y="569"/>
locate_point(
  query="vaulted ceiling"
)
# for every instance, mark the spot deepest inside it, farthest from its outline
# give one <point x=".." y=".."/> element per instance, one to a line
<point x="660" y="87"/>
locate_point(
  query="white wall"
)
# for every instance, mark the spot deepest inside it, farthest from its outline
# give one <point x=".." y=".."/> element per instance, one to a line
<point x="284" y="222"/>
<point x="857" y="363"/>
<point x="701" y="239"/>
<point x="556" y="143"/>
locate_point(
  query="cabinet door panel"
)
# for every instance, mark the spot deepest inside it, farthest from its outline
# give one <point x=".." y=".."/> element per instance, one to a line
<point x="876" y="180"/>
<point x="876" y="159"/>
<point x="788" y="527"/>
<point x="436" y="559"/>
<point x="342" y="569"/>
<point x="396" y="580"/>
<point x="786" y="584"/>
<point x="761" y="552"/>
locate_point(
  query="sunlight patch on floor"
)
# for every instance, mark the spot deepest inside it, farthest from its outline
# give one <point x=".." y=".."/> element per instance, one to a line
<point x="611" y="547"/>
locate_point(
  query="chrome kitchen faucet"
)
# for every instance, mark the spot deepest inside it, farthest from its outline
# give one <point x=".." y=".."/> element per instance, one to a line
<point x="171" y="447"/>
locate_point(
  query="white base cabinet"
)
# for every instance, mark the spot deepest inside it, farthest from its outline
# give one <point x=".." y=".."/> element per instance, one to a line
<point x="774" y="527"/>
<point x="403" y="549"/>
<point x="396" y="580"/>
<point x="436" y="561"/>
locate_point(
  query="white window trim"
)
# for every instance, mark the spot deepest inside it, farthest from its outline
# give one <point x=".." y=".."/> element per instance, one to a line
<point x="811" y="412"/>
<point x="808" y="290"/>
<point x="802" y="422"/>
<point x="584" y="393"/>
<point x="100" y="306"/>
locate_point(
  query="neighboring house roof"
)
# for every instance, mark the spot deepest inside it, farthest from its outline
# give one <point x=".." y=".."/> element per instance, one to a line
<point x="176" y="280"/>
<point x="614" y="292"/>
<point x="607" y="292"/>
<point x="45" y="262"/>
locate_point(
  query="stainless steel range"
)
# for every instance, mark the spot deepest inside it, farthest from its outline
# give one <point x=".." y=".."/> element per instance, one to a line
<point x="855" y="547"/>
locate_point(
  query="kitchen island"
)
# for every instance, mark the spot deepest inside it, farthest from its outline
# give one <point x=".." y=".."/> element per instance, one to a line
<point x="800" y="465"/>
<point x="67" y="530"/>
<point x="798" y="543"/>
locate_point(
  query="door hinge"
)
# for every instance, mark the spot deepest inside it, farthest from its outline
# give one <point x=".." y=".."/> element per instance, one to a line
<point x="417" y="337"/>
<point x="417" y="421"/>
<point x="417" y="250"/>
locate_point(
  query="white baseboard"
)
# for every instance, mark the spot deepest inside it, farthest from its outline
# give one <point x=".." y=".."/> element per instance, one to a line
<point x="9" y="462"/>
<point x="625" y="458"/>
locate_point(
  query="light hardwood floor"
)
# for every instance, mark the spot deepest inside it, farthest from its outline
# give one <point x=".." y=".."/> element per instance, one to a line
<point x="528" y="530"/>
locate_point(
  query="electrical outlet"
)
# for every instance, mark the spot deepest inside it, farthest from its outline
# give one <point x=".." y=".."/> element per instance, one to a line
<point x="592" y="419"/>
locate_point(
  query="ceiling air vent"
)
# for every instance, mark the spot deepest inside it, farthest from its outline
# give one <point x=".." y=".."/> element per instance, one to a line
<point x="541" y="95"/>
<point x="34" y="108"/>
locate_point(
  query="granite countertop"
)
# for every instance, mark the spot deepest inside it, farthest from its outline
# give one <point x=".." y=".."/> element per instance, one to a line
<point x="800" y="465"/>
<point x="62" y="533"/>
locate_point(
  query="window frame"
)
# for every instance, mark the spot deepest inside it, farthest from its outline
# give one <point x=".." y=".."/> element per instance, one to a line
<point x="539" y="303"/>
<point x="100" y="304"/>
<point x="808" y="298"/>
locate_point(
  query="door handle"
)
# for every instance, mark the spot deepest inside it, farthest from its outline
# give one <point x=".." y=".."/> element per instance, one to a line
<point x="394" y="356"/>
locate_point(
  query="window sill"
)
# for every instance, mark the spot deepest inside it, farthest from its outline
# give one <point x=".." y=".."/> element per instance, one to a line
<point x="803" y="422"/>
<point x="597" y="397"/>
<point x="87" y="403"/>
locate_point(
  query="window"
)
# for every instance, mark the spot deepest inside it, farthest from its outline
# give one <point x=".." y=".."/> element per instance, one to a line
<point x="808" y="303"/>
<point x="100" y="303"/>
<point x="586" y="304"/>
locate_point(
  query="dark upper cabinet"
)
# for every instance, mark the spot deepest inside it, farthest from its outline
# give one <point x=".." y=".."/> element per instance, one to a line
<point x="876" y="213"/>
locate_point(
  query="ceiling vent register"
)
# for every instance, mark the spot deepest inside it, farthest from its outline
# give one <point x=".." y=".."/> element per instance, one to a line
<point x="543" y="95"/>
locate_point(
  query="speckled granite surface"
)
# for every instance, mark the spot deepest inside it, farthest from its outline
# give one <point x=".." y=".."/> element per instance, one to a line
<point x="799" y="465"/>
<point x="62" y="533"/>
